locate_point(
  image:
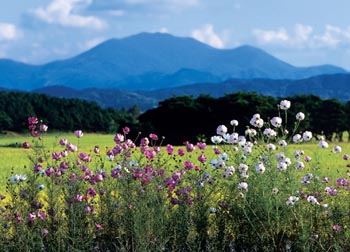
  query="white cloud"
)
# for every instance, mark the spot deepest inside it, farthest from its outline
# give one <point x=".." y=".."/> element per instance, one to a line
<point x="163" y="30"/>
<point x="116" y="12"/>
<point x="207" y="35"/>
<point x="8" y="31"/>
<point x="270" y="36"/>
<point x="304" y="37"/>
<point x="64" y="12"/>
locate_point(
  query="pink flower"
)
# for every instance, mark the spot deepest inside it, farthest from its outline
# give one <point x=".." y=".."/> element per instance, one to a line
<point x="97" y="149"/>
<point x="84" y="157"/>
<point x="56" y="156"/>
<point x="119" y="138"/>
<point x="170" y="149"/>
<point x="91" y="192"/>
<point x="181" y="152"/>
<point x="33" y="120"/>
<point x="153" y="136"/>
<point x="202" y="158"/>
<point x="63" y="141"/>
<point x="26" y="145"/>
<point x="126" y="130"/>
<point x="336" y="228"/>
<point x="188" y="165"/>
<point x="37" y="168"/>
<point x="44" y="232"/>
<point x="201" y="146"/>
<point x="31" y="217"/>
<point x="43" y="127"/>
<point x="78" y="133"/>
<point x="99" y="226"/>
<point x="41" y="215"/>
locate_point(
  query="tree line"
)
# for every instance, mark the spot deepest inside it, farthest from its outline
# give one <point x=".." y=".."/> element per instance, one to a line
<point x="61" y="114"/>
<point x="191" y="119"/>
<point x="179" y="119"/>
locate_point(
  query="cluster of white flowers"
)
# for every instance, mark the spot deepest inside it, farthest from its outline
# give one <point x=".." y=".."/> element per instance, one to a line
<point x="243" y="170"/>
<point x="276" y="121"/>
<point x="270" y="133"/>
<point x="18" y="178"/>
<point x="311" y="199"/>
<point x="256" y="121"/>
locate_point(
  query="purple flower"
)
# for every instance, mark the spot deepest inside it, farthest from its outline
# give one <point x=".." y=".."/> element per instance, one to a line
<point x="153" y="136"/>
<point x="126" y="130"/>
<point x="78" y="133"/>
<point x="33" y="120"/>
<point x="181" y="152"/>
<point x="170" y="149"/>
<point x="43" y="127"/>
<point x="63" y="141"/>
<point x="337" y="228"/>
<point x="202" y="158"/>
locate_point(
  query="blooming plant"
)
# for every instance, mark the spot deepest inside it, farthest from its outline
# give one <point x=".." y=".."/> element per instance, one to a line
<point x="257" y="191"/>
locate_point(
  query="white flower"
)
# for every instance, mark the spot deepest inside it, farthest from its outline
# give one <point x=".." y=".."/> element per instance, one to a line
<point x="281" y="166"/>
<point x="311" y="199"/>
<point x="242" y="186"/>
<point x="323" y="144"/>
<point x="216" y="139"/>
<point x="242" y="168"/>
<point x="300" y="116"/>
<point x="222" y="129"/>
<point x="299" y="165"/>
<point x="212" y="210"/>
<point x="110" y="157"/>
<point x="336" y="149"/>
<point x="230" y="170"/>
<point x="276" y="121"/>
<point x="41" y="187"/>
<point x="234" y="123"/>
<point x="271" y="147"/>
<point x="224" y="157"/>
<point x="233" y="138"/>
<point x="297" y="138"/>
<point x="17" y="178"/>
<point x="220" y="164"/>
<point x="280" y="156"/>
<point x="307" y="136"/>
<point x="260" y="168"/>
<point x="285" y="104"/>
<point x="256" y="121"/>
<point x="213" y="163"/>
<point x="133" y="163"/>
<point x="251" y="132"/>
<point x="298" y="154"/>
<point x="270" y="133"/>
<point x="291" y="200"/>
<point x="282" y="143"/>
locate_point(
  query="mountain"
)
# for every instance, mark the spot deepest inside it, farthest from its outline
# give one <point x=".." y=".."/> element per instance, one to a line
<point x="325" y="86"/>
<point x="150" y="61"/>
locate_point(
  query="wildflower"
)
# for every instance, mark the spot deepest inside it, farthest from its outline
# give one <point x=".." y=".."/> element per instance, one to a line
<point x="212" y="210"/>
<point x="230" y="170"/>
<point x="336" y="149"/>
<point x="31" y="217"/>
<point x="282" y="143"/>
<point x="284" y="105"/>
<point x="307" y="158"/>
<point x="323" y="144"/>
<point x="188" y="165"/>
<point x="41" y="215"/>
<point x="297" y="138"/>
<point x="270" y="133"/>
<point x="153" y="136"/>
<point x="71" y="147"/>
<point x="281" y="166"/>
<point x="270" y="147"/>
<point x="276" y="121"/>
<point x="292" y="200"/>
<point x="336" y="228"/>
<point x="221" y="130"/>
<point x="346" y="157"/>
<point x="189" y="147"/>
<point x="233" y="138"/>
<point x="99" y="226"/>
<point x="298" y="154"/>
<point x="180" y="152"/>
<point x="242" y="186"/>
<point x="331" y="191"/>
<point x="33" y="120"/>
<point x="17" y="178"/>
<point x="43" y="127"/>
<point x="251" y="132"/>
<point x="300" y="116"/>
<point x="260" y="168"/>
<point x="307" y="136"/>
<point x="311" y="199"/>
<point x="126" y="130"/>
<point x="133" y="163"/>
<point x="41" y="187"/>
<point x="275" y="190"/>
<point x="169" y="149"/>
<point x="216" y="139"/>
<point x="299" y="165"/>
<point x="202" y="158"/>
<point x="201" y="146"/>
<point x="44" y="232"/>
<point x="223" y="157"/>
<point x="78" y="133"/>
<point x="242" y="168"/>
<point x="234" y="123"/>
<point x="256" y="121"/>
<point x="63" y="141"/>
<point x="26" y="145"/>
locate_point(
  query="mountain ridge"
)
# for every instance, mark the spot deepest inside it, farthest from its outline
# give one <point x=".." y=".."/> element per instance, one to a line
<point x="149" y="61"/>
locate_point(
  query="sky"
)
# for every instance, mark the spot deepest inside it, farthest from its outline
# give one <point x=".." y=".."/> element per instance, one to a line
<point x="300" y="32"/>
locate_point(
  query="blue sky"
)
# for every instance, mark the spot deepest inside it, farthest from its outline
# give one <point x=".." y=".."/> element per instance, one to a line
<point x="301" y="32"/>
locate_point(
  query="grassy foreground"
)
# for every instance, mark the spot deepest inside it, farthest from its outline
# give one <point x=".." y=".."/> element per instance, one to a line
<point x="257" y="192"/>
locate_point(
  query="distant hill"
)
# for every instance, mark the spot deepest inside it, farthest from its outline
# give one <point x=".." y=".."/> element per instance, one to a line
<point x="150" y="61"/>
<point x="324" y="86"/>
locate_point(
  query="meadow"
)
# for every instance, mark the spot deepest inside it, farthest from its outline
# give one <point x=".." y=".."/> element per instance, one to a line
<point x="266" y="189"/>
